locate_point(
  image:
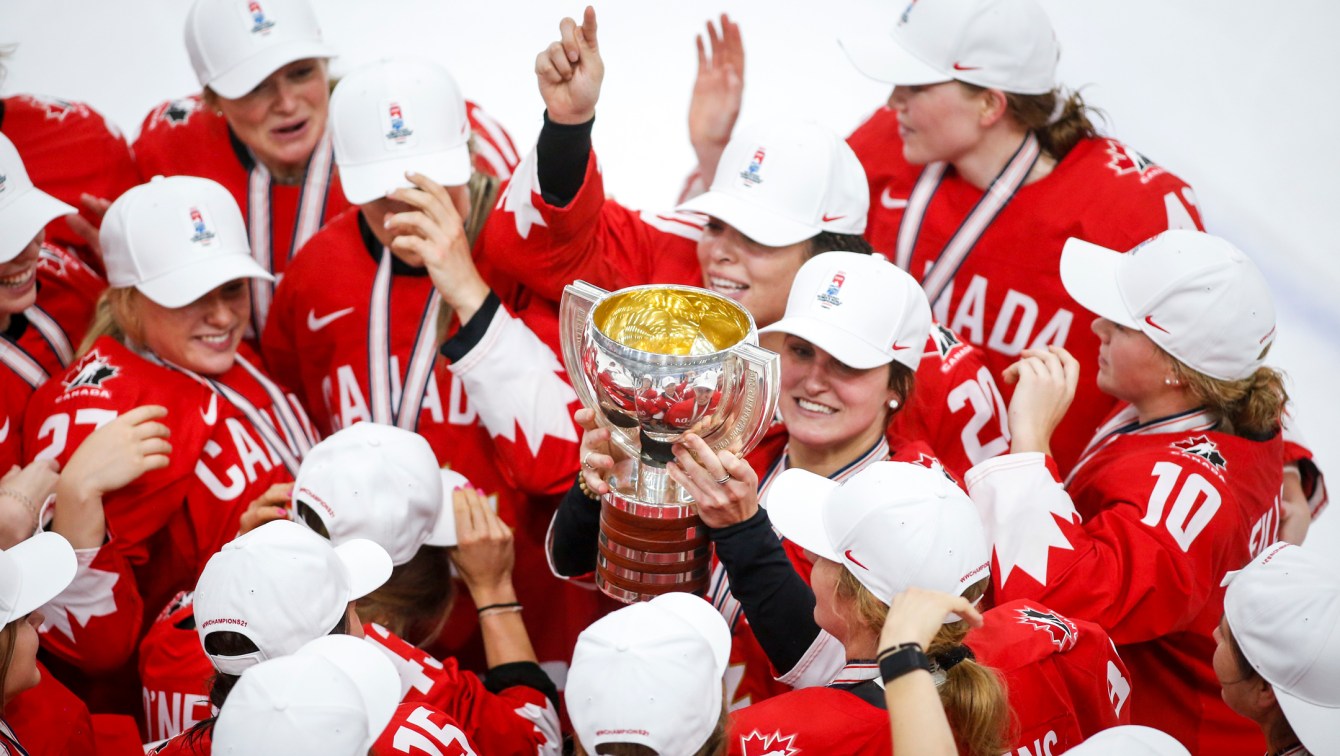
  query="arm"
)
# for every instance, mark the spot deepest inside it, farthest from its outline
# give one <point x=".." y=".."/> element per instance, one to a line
<point x="718" y="92"/>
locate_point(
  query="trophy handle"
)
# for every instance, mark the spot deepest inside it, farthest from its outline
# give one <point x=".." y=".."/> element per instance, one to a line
<point x="761" y="385"/>
<point x="579" y="298"/>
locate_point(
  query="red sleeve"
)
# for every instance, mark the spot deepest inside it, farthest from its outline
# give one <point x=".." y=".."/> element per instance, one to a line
<point x="1299" y="453"/>
<point x="518" y="720"/>
<point x="277" y="347"/>
<point x="417" y="728"/>
<point x="591" y="238"/>
<point x="94" y="623"/>
<point x="494" y="151"/>
<point x="1138" y="580"/>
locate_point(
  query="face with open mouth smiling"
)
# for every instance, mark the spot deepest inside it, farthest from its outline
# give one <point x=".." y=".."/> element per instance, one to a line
<point x="202" y="336"/>
<point x="18" y="280"/>
<point x="755" y="275"/>
<point x="827" y="404"/>
<point x="283" y="118"/>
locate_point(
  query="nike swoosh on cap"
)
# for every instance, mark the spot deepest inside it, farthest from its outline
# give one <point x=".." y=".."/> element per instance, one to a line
<point x="315" y="324"/>
<point x="1150" y="320"/>
<point x="831" y="218"/>
<point x="854" y="560"/>
<point x="891" y="202"/>
<point x="900" y="347"/>
<point x="960" y="67"/>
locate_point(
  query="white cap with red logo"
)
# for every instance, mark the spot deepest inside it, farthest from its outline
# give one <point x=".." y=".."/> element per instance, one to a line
<point x="998" y="44"/>
<point x="650" y="674"/>
<point x="24" y="209"/>
<point x="334" y="695"/>
<point x="176" y="239"/>
<point x="394" y="116"/>
<point x="893" y="525"/>
<point x="1283" y="610"/>
<point x="382" y="483"/>
<point x="280" y="586"/>
<point x="1195" y="295"/>
<point x="781" y="183"/>
<point x="862" y="309"/>
<point x="235" y="44"/>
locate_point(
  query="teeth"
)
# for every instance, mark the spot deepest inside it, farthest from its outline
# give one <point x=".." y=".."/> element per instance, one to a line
<point x="726" y="284"/>
<point x="806" y="404"/>
<point x="218" y="339"/>
<point x="19" y="279"/>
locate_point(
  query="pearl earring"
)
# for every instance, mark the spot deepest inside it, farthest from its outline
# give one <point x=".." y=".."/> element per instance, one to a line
<point x="1171" y="382"/>
<point x="893" y="404"/>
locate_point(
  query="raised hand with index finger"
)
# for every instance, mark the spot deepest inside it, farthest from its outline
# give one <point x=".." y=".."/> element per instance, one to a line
<point x="571" y="70"/>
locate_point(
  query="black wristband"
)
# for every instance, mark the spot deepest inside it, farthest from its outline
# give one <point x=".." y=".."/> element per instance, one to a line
<point x="899" y="660"/>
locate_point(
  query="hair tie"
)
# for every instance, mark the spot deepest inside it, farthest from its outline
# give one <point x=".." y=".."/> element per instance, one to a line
<point x="1058" y="110"/>
<point x="951" y="658"/>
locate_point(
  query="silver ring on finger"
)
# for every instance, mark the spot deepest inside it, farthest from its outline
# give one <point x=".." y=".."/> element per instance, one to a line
<point x="586" y="461"/>
<point x="724" y="480"/>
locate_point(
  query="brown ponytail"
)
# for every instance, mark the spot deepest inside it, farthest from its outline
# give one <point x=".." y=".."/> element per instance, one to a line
<point x="1056" y="136"/>
<point x="973" y="695"/>
<point x="1251" y="407"/>
<point x="415" y="601"/>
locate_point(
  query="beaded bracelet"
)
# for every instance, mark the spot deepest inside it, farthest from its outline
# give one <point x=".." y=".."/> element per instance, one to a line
<point x="586" y="490"/>
<point x="25" y="500"/>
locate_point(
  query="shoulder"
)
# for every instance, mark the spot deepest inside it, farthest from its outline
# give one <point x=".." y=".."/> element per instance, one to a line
<point x="495" y="153"/>
<point x="1019" y="633"/>
<point x="73" y="120"/>
<point x="181" y="131"/>
<point x="946" y="351"/>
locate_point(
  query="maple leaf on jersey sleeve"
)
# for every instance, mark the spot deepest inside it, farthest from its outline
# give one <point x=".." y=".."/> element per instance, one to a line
<point x="89" y="595"/>
<point x="1020" y="502"/>
<point x="517" y="198"/>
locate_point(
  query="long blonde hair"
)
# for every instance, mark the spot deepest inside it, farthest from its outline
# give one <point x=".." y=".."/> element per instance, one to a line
<point x="115" y="316"/>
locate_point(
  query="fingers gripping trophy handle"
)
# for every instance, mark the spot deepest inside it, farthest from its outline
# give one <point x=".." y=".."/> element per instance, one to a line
<point x="759" y="392"/>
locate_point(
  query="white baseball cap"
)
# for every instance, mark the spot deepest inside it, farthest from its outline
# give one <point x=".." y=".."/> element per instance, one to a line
<point x="998" y="44"/>
<point x="33" y="572"/>
<point x="333" y="696"/>
<point x="281" y="585"/>
<point x="894" y="525"/>
<point x="862" y="309"/>
<point x="394" y="116"/>
<point x="650" y="673"/>
<point x="24" y="209"/>
<point x="1284" y="612"/>
<point x="1195" y="295"/>
<point x="176" y="239"/>
<point x="782" y="182"/>
<point x="381" y="483"/>
<point x="1130" y="740"/>
<point x="235" y="44"/>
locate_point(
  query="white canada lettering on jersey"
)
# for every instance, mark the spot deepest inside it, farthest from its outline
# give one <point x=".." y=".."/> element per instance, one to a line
<point x="1015" y="326"/>
<point x="1041" y="746"/>
<point x="349" y="403"/>
<point x="1118" y="687"/>
<point x="170" y="713"/>
<point x="252" y="455"/>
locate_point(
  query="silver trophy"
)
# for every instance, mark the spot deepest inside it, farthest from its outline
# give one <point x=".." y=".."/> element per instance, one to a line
<point x="656" y="362"/>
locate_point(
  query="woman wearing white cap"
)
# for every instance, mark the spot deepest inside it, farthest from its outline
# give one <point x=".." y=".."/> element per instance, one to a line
<point x="844" y="371"/>
<point x="1179" y="486"/>
<point x="167" y="332"/>
<point x="369" y="343"/>
<point x="259" y="127"/>
<point x="785" y="192"/>
<point x="1277" y="652"/>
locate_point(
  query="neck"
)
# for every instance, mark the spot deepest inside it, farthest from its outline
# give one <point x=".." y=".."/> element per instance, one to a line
<point x="863" y="645"/>
<point x="1166" y="403"/>
<point x="827" y="459"/>
<point x="980" y="165"/>
<point x="286" y="174"/>
<point x="1279" y="734"/>
<point x="4" y="321"/>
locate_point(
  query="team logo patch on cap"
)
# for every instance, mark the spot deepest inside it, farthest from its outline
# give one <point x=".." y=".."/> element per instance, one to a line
<point x="907" y="12"/>
<point x="397" y="132"/>
<point x="1063" y="632"/>
<point x="260" y="24"/>
<point x="4" y="184"/>
<point x="776" y="744"/>
<point x="828" y="298"/>
<point x="1203" y="449"/>
<point x="91" y="372"/>
<point x="200" y="228"/>
<point x="751" y="174"/>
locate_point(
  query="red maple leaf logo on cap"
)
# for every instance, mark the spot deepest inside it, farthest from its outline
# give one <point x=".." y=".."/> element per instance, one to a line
<point x="776" y="744"/>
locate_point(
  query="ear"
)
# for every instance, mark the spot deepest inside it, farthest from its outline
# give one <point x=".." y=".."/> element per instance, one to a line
<point x="1265" y="695"/>
<point x="994" y="107"/>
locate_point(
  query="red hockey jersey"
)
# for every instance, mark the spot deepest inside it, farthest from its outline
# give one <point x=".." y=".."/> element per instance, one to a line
<point x="500" y="414"/>
<point x="174" y="672"/>
<point x="956" y="407"/>
<point x="41" y="341"/>
<point x="69" y="149"/>
<point x="1138" y="541"/>
<point x="1006" y="294"/>
<point x="417" y="728"/>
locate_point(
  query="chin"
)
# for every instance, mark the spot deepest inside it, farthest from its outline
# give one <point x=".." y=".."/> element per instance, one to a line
<point x="211" y="364"/>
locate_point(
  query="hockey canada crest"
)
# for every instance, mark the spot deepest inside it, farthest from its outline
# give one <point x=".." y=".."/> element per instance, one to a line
<point x="178" y="112"/>
<point x="776" y="744"/>
<point x="91" y="372"/>
<point x="945" y="340"/>
<point x="1063" y="632"/>
<point x="1124" y="160"/>
<point x="1202" y="448"/>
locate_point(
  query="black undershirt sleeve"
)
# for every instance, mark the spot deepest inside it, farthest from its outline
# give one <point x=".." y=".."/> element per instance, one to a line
<point x="776" y="599"/>
<point x="561" y="154"/>
<point x="469" y="334"/>
<point x="526" y="673"/>
<point x="576" y="534"/>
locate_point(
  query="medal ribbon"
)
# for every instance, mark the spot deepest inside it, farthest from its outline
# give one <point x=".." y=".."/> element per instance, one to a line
<point x="403" y="413"/>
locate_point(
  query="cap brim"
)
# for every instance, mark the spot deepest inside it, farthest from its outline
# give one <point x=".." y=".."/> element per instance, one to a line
<point x="246" y="75"/>
<point x="365" y="182"/>
<point x="1089" y="274"/>
<point x="704" y="618"/>
<point x="754" y="221"/>
<point x="24" y="216"/>
<point x="368" y="564"/>
<point x="843" y="346"/>
<point x="1317" y="727"/>
<point x="444" y="530"/>
<point x="795" y="506"/>
<point x="370" y="669"/>
<point x="47" y="564"/>
<point x="881" y="58"/>
<point x="182" y="286"/>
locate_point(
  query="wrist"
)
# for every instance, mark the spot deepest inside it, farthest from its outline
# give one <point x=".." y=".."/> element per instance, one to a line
<point x="572" y="118"/>
<point x="898" y="660"/>
<point x="497" y="594"/>
<point x="466" y="298"/>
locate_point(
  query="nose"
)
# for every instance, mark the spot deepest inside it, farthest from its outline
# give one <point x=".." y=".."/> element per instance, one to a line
<point x="815" y="380"/>
<point x="1102" y="328"/>
<point x="898" y="98"/>
<point x="286" y="96"/>
<point x="217" y="311"/>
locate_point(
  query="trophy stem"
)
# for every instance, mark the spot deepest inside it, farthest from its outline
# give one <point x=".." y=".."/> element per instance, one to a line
<point x="646" y="550"/>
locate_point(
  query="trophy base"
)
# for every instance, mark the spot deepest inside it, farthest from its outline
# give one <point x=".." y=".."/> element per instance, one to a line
<point x="650" y="549"/>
